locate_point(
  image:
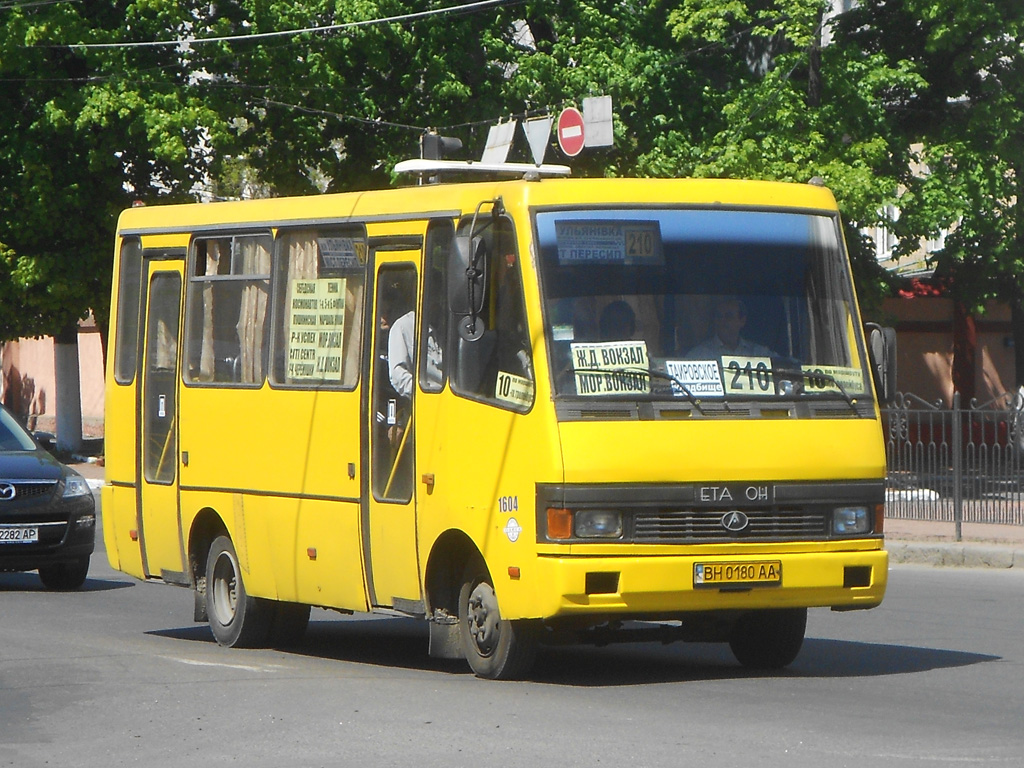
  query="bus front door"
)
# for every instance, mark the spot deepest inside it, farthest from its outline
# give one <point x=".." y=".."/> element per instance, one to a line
<point x="389" y="513"/>
<point x="159" y="526"/>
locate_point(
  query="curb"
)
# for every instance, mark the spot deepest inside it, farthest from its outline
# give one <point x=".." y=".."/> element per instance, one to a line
<point x="956" y="554"/>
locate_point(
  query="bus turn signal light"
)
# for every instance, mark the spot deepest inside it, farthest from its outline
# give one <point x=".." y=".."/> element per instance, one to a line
<point x="559" y="523"/>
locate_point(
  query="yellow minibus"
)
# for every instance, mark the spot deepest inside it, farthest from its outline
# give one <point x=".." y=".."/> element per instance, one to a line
<point x="526" y="410"/>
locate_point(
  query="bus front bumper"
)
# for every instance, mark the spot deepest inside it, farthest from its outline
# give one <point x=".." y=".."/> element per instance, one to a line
<point x="639" y="586"/>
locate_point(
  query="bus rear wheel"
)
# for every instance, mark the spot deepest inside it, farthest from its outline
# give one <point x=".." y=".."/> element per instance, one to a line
<point x="236" y="618"/>
<point x="496" y="648"/>
<point x="768" y="639"/>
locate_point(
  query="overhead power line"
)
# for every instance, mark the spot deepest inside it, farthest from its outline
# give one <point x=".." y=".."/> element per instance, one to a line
<point x="465" y="8"/>
<point x="32" y="4"/>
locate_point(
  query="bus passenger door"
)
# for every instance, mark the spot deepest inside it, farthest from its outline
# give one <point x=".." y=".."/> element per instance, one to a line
<point x="159" y="521"/>
<point x="389" y="513"/>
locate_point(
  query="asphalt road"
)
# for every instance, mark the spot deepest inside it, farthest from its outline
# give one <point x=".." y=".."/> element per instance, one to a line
<point x="118" y="675"/>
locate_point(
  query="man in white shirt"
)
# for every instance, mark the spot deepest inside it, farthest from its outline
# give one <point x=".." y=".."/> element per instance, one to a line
<point x="402" y="353"/>
<point x="729" y="318"/>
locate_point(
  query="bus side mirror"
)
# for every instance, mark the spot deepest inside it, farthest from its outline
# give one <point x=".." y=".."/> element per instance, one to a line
<point x="882" y="349"/>
<point x="467" y="275"/>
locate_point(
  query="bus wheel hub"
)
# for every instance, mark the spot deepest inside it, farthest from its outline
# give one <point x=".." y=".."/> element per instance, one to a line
<point x="483" y="618"/>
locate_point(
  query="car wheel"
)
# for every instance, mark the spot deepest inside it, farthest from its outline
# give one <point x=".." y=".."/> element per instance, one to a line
<point x="768" y="639"/>
<point x="236" y="618"/>
<point x="65" y="576"/>
<point x="496" y="649"/>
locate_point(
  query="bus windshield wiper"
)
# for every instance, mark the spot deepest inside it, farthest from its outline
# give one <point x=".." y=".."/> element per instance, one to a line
<point x="817" y="375"/>
<point x="693" y="399"/>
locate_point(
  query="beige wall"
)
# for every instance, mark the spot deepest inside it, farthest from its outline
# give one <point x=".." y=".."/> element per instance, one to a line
<point x="924" y="328"/>
<point x="28" y="386"/>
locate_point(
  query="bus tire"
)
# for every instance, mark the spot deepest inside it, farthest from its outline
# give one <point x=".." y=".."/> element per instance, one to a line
<point x="496" y="648"/>
<point x="768" y="639"/>
<point x="237" y="619"/>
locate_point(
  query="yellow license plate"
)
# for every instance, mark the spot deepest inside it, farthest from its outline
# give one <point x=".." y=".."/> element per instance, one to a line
<point x="757" y="574"/>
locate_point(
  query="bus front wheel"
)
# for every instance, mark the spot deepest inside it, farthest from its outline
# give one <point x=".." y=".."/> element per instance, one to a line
<point x="237" y="620"/>
<point x="496" y="648"/>
<point x="768" y="639"/>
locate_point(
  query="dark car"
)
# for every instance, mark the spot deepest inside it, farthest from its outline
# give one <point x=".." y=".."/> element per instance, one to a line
<point x="47" y="511"/>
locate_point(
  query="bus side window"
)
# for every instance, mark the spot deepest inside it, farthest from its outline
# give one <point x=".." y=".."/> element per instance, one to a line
<point x="434" y="316"/>
<point x="129" y="302"/>
<point x="497" y="366"/>
<point x="318" y="299"/>
<point x="228" y="301"/>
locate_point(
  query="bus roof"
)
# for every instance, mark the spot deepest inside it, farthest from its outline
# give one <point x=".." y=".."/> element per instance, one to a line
<point x="453" y="199"/>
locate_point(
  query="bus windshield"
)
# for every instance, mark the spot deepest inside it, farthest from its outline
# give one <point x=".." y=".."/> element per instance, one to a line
<point x="705" y="307"/>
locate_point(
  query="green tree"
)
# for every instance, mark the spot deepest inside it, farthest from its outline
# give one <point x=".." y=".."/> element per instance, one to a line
<point x="81" y="141"/>
<point x="965" y="123"/>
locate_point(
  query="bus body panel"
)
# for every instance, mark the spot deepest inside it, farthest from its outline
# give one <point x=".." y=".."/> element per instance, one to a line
<point x="484" y="479"/>
<point x="285" y="442"/>
<point x="722" y="450"/>
<point x="327" y="558"/>
<point x="119" y="519"/>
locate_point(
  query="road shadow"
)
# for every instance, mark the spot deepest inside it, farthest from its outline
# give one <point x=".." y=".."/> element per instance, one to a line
<point x="641" y="664"/>
<point x="402" y="644"/>
<point x="384" y="642"/>
<point x="29" y="582"/>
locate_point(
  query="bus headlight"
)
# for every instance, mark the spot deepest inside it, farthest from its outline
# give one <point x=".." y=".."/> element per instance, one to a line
<point x="847" y="520"/>
<point x="597" y="524"/>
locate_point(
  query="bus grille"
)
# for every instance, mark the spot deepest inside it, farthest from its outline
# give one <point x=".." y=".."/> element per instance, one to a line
<point x="687" y="525"/>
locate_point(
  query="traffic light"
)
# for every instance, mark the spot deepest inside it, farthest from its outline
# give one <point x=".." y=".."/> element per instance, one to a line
<point x="433" y="146"/>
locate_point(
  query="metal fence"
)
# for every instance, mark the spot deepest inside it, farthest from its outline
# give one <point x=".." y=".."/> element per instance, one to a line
<point x="959" y="464"/>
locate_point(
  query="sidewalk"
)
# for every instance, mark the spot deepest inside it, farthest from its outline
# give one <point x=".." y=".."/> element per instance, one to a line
<point x="908" y="541"/>
<point x="931" y="543"/>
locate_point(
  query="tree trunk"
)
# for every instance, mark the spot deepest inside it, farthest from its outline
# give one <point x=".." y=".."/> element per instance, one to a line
<point x="69" y="390"/>
<point x="814" y="84"/>
<point x="1017" y="326"/>
<point x="965" y="352"/>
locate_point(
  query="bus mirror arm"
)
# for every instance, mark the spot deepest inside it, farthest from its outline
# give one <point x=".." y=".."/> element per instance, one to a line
<point x="882" y="351"/>
<point x="467" y="271"/>
<point x="467" y="275"/>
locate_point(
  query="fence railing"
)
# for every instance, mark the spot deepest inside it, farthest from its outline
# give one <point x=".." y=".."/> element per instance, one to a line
<point x="959" y="464"/>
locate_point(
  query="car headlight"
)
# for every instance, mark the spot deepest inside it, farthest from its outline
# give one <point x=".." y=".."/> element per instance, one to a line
<point x="75" y="485"/>
<point x="847" y="520"/>
<point x="597" y="524"/>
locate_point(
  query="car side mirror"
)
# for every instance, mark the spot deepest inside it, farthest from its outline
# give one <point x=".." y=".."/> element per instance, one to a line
<point x="882" y="350"/>
<point x="46" y="440"/>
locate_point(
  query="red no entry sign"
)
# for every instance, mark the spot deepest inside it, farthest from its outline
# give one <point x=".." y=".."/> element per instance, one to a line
<point x="570" y="131"/>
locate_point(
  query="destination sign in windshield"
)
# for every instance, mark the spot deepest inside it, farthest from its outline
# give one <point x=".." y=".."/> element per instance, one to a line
<point x="609" y="242"/>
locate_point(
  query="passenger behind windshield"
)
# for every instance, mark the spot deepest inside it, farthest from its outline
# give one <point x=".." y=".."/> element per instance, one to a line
<point x="729" y="317"/>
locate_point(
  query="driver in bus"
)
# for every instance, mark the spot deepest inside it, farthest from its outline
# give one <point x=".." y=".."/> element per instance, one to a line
<point x="617" y="322"/>
<point x="728" y="319"/>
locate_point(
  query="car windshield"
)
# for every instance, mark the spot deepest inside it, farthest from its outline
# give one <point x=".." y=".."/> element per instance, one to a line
<point x="708" y="307"/>
<point x="12" y="436"/>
